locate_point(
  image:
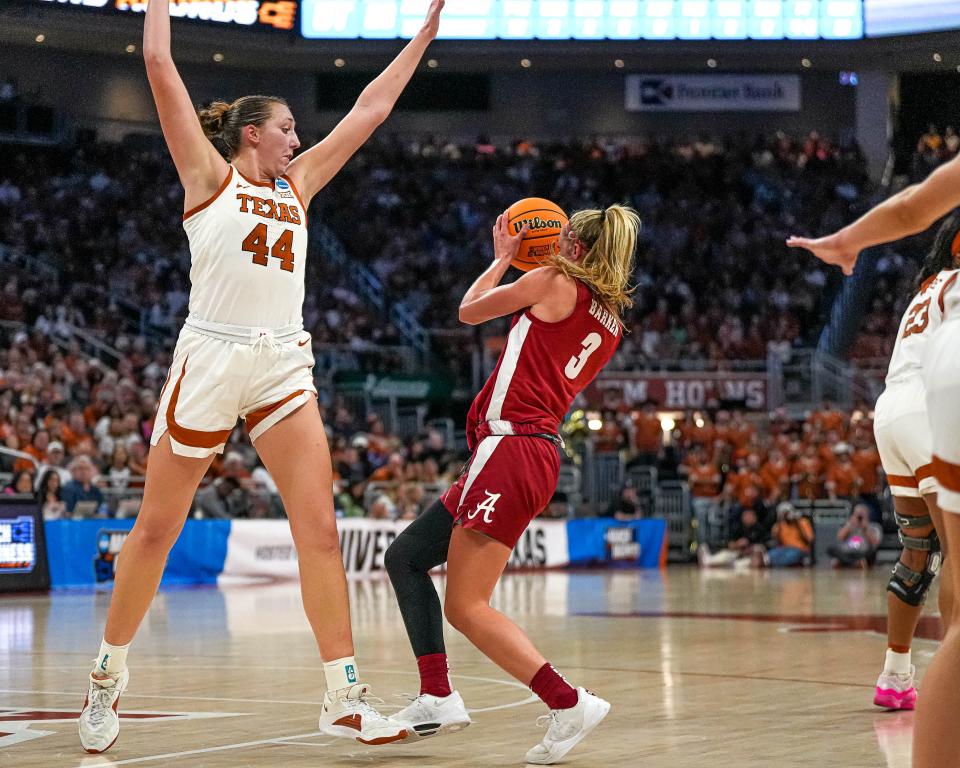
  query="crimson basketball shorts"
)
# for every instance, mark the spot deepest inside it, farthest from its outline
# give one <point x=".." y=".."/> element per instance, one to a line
<point x="508" y="481"/>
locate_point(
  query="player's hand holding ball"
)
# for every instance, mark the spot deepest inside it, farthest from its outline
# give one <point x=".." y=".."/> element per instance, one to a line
<point x="506" y="244"/>
<point x="532" y="226"/>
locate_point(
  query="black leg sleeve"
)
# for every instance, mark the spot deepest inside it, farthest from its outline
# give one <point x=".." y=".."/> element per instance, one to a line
<point x="422" y="545"/>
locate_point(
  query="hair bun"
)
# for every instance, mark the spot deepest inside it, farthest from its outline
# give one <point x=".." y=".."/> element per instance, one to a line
<point x="211" y="118"/>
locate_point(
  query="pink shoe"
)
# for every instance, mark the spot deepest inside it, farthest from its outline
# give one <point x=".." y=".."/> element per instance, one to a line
<point x="896" y="691"/>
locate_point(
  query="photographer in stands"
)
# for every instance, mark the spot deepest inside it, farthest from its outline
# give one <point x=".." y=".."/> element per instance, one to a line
<point x="858" y="540"/>
<point x="792" y="538"/>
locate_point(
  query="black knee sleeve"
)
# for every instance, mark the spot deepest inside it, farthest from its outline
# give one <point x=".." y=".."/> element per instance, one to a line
<point x="421" y="546"/>
<point x="909" y="585"/>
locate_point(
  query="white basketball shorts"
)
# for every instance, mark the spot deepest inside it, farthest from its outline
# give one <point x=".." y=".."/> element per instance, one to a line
<point x="220" y="372"/>
<point x="942" y="382"/>
<point x="902" y="431"/>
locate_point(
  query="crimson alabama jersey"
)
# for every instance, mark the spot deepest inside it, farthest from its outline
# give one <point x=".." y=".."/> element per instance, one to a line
<point x="544" y="366"/>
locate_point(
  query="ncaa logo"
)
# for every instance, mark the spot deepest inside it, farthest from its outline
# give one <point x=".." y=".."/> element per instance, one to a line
<point x="282" y="184"/>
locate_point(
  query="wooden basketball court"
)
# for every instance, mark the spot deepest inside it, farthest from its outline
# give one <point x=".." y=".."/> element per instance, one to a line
<point x="712" y="668"/>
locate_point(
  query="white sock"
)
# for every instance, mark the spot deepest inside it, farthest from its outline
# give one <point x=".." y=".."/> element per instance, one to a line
<point x="897" y="663"/>
<point x="112" y="659"/>
<point x="341" y="673"/>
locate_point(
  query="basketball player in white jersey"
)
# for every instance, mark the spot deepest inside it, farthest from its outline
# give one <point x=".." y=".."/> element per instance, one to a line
<point x="243" y="352"/>
<point x="936" y="731"/>
<point x="903" y="438"/>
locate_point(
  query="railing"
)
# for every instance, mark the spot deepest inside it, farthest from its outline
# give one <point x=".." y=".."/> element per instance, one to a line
<point x="370" y="288"/>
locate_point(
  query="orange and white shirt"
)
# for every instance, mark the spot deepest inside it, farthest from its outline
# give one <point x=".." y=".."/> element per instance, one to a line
<point x="924" y="315"/>
<point x="248" y="250"/>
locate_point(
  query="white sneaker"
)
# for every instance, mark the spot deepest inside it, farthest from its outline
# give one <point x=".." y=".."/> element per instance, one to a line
<point x="348" y="713"/>
<point x="428" y="715"/>
<point x="568" y="727"/>
<point x="99" y="719"/>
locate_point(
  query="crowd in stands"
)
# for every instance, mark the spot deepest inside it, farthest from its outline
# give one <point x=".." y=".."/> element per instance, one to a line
<point x="745" y="476"/>
<point x="91" y="238"/>
<point x="104" y="222"/>
<point x="934" y="147"/>
<point x="84" y="428"/>
<point x="714" y="278"/>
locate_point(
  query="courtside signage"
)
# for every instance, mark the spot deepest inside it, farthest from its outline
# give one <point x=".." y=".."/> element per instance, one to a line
<point x="713" y="93"/>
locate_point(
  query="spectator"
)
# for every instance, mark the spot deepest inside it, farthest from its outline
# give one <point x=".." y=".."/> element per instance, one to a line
<point x="22" y="484"/>
<point x="843" y="480"/>
<point x="744" y="548"/>
<point x="705" y="481"/>
<point x="118" y="475"/>
<point x="647" y="435"/>
<point x="81" y="487"/>
<point x="55" y="462"/>
<point x="858" y="540"/>
<point x="627" y="504"/>
<point x="49" y="493"/>
<point x="220" y="500"/>
<point x="382" y="508"/>
<point x="792" y="538"/>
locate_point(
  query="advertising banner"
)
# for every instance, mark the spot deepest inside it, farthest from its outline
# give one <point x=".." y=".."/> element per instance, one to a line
<point x="677" y="391"/>
<point x="713" y="93"/>
<point x="85" y="552"/>
<point x="623" y="542"/>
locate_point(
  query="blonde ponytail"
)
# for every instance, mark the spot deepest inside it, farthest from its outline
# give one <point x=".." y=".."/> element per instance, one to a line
<point x="611" y="238"/>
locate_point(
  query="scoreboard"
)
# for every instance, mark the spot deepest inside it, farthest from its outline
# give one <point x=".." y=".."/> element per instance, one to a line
<point x="589" y="19"/>
<point x="23" y="553"/>
<point x="561" y="19"/>
<point x="253" y="14"/>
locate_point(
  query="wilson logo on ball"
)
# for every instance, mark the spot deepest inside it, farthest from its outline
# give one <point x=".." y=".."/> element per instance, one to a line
<point x="537" y="223"/>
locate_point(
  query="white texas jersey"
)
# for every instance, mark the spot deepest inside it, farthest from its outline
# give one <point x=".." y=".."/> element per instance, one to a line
<point x="248" y="248"/>
<point x="922" y="318"/>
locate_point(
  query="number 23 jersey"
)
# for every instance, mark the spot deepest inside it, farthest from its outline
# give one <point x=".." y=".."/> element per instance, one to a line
<point x="248" y="248"/>
<point x="544" y="366"/>
<point x="923" y="316"/>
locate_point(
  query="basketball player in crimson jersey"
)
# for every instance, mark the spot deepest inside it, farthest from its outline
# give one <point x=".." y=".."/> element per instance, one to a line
<point x="243" y="353"/>
<point x="910" y="211"/>
<point x="566" y="327"/>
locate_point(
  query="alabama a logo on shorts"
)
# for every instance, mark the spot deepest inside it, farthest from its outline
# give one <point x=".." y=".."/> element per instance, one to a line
<point x="487" y="507"/>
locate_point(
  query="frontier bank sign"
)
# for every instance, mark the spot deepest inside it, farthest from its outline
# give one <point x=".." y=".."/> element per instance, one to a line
<point x="713" y="93"/>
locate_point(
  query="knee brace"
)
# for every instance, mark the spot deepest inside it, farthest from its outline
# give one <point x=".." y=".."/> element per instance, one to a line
<point x="907" y="584"/>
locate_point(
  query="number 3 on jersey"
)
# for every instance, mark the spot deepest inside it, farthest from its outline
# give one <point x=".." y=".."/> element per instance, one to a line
<point x="256" y="243"/>
<point x="590" y="344"/>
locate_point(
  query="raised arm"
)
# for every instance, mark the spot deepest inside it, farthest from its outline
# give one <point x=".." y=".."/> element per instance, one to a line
<point x="544" y="288"/>
<point x="908" y="212"/>
<point x="314" y="168"/>
<point x="199" y="165"/>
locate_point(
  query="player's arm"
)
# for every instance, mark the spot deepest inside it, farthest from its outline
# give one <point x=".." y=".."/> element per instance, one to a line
<point x="487" y="299"/>
<point x="314" y="168"/>
<point x="908" y="212"/>
<point x="199" y="165"/>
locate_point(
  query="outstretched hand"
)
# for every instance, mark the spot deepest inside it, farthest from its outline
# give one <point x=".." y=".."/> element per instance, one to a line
<point x="829" y="249"/>
<point x="432" y="23"/>
<point x="506" y="245"/>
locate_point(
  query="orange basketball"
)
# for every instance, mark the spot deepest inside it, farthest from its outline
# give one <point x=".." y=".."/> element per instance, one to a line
<point x="542" y="239"/>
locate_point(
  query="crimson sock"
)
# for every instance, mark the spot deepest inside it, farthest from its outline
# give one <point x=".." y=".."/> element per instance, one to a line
<point x="434" y="674"/>
<point x="555" y="691"/>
